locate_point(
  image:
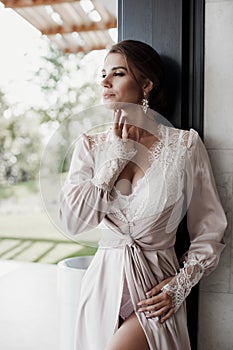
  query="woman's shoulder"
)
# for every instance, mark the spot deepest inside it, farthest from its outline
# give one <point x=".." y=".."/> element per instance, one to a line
<point x="189" y="137"/>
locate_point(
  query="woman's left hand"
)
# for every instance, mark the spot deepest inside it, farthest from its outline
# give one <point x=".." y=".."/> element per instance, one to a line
<point x="158" y="304"/>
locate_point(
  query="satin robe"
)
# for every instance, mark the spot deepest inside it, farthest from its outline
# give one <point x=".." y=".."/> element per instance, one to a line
<point x="139" y="234"/>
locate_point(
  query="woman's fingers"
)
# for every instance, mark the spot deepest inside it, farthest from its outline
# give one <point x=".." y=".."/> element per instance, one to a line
<point x="116" y="121"/>
<point x="153" y="307"/>
<point x="156" y="303"/>
<point x="158" y="313"/>
<point x="166" y="317"/>
<point x="163" y="313"/>
<point x="157" y="289"/>
<point x="162" y="309"/>
<point x="120" y="125"/>
<point x="124" y="132"/>
<point x="155" y="297"/>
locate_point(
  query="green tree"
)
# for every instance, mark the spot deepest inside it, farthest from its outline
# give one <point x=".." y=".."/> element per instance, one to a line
<point x="66" y="92"/>
<point x="19" y="144"/>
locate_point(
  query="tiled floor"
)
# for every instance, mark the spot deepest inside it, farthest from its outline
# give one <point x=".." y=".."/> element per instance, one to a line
<point x="39" y="250"/>
<point x="32" y="238"/>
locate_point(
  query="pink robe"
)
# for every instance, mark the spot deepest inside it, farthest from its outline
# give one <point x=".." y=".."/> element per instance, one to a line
<point x="139" y="233"/>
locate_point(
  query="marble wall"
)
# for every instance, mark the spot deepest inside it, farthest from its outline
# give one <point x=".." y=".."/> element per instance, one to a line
<point x="216" y="290"/>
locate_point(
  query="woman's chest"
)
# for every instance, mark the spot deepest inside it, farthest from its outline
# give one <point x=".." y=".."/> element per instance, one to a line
<point x="129" y="177"/>
<point x="145" y="192"/>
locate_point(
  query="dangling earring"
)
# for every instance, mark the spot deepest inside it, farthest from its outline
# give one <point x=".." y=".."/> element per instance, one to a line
<point x="145" y="103"/>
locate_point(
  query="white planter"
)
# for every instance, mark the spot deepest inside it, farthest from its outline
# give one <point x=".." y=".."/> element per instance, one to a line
<point x="70" y="273"/>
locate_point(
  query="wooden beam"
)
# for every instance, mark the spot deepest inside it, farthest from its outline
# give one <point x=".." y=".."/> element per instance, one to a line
<point x="106" y="16"/>
<point x="73" y="19"/>
<point x="85" y="49"/>
<point x="14" y="4"/>
<point x="32" y="17"/>
<point x="79" y="28"/>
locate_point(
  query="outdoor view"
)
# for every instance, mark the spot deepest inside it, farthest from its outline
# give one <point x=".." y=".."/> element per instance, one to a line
<point x="40" y="87"/>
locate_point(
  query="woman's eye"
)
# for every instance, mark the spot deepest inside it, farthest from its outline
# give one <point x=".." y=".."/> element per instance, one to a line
<point x="115" y="74"/>
<point x="119" y="74"/>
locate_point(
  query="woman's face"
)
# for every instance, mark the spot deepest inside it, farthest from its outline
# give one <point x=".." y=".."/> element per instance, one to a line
<point x="118" y="83"/>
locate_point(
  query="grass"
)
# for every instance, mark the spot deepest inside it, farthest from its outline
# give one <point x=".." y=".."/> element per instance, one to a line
<point x="23" y="221"/>
<point x="6" y="192"/>
<point x="17" y="190"/>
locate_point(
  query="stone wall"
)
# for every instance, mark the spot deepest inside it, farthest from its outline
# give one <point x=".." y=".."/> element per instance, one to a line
<point x="216" y="290"/>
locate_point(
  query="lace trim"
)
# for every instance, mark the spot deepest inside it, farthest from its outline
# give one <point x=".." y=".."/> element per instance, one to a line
<point x="97" y="140"/>
<point x="172" y="143"/>
<point x="111" y="145"/>
<point x="108" y="174"/>
<point x="167" y="163"/>
<point x="112" y="155"/>
<point x="180" y="286"/>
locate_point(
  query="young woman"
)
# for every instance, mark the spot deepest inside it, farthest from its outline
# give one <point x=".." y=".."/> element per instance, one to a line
<point x="138" y="178"/>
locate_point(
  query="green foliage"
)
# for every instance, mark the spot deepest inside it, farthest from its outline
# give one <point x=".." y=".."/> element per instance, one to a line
<point x="65" y="90"/>
<point x="22" y="189"/>
<point x="65" y="93"/>
<point x="19" y="145"/>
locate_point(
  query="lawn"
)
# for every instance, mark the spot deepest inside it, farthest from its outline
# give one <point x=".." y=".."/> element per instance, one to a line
<point x="26" y="232"/>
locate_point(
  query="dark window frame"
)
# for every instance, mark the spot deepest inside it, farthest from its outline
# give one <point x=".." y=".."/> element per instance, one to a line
<point x="175" y="28"/>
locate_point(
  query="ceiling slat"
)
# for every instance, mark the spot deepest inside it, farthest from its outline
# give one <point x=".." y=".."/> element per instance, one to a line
<point x="60" y="19"/>
<point x="31" y="3"/>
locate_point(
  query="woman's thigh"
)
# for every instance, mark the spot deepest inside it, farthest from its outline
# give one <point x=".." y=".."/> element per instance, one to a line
<point x="130" y="336"/>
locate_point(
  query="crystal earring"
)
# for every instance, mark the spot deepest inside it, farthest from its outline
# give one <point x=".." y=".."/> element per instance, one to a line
<point x="145" y="103"/>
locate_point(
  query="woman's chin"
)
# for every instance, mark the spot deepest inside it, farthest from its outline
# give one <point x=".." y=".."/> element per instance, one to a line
<point x="109" y="104"/>
<point x="114" y="104"/>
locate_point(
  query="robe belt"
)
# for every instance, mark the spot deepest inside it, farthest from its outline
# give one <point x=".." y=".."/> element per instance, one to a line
<point x="126" y="240"/>
<point x="111" y="239"/>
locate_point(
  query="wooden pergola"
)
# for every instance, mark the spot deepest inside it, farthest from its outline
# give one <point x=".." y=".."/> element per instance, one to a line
<point x="73" y="25"/>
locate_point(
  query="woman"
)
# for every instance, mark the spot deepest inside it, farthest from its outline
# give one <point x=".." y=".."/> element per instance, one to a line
<point x="138" y="178"/>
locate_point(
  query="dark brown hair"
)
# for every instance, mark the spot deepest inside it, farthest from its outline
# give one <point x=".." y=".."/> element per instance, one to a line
<point x="149" y="64"/>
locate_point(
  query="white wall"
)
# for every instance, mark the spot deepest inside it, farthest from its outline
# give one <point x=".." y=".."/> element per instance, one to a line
<point x="216" y="291"/>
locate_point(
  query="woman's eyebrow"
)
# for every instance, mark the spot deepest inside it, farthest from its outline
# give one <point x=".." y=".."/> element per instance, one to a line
<point x="115" y="68"/>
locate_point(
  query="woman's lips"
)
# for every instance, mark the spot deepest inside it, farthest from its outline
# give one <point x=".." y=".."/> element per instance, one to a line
<point x="107" y="96"/>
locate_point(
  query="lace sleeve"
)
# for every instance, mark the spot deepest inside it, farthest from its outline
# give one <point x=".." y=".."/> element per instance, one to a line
<point x="115" y="154"/>
<point x="180" y="286"/>
<point x="95" y="165"/>
<point x="206" y="224"/>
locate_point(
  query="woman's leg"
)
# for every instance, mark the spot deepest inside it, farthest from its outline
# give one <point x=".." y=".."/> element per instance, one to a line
<point x="130" y="336"/>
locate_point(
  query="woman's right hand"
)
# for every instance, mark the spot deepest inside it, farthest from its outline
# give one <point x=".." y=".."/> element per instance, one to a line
<point x="123" y="129"/>
<point x="119" y="125"/>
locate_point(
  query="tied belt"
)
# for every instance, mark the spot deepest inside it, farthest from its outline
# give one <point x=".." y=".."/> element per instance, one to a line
<point x="136" y="265"/>
<point x="111" y="239"/>
<point x="120" y="242"/>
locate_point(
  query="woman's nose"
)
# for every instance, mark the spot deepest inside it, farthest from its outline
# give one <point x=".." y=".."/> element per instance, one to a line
<point x="106" y="82"/>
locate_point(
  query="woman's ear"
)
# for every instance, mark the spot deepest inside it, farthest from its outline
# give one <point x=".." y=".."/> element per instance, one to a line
<point x="147" y="86"/>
